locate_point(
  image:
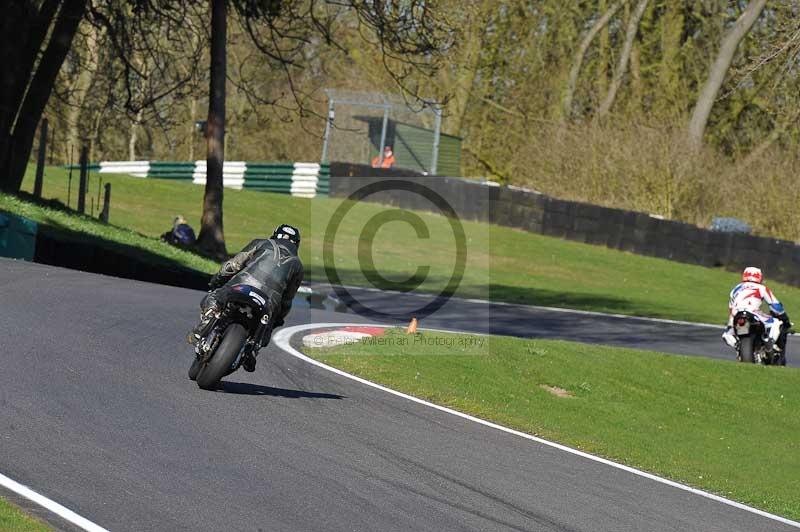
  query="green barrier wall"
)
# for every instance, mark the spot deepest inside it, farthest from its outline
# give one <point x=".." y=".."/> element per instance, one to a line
<point x="17" y="236"/>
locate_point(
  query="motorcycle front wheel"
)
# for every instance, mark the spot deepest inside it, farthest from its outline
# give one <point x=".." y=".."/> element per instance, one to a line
<point x="224" y="357"/>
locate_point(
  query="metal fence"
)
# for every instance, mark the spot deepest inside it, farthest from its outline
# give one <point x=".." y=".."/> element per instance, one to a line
<point x="360" y="125"/>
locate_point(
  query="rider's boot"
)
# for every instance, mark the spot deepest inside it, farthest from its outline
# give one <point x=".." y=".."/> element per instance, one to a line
<point x="249" y="361"/>
<point x="205" y="317"/>
<point x="729" y="338"/>
<point x="774" y="335"/>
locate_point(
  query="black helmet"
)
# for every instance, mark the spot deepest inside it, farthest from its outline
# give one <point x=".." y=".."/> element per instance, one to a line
<point x="287" y="232"/>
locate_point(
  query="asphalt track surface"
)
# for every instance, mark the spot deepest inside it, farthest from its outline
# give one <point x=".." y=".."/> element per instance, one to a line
<point x="539" y="322"/>
<point x="96" y="413"/>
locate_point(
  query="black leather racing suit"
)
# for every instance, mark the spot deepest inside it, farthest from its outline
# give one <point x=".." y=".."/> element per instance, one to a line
<point x="272" y="266"/>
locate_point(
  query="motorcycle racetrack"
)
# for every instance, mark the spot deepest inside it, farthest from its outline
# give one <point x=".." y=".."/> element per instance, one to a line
<point x="98" y="415"/>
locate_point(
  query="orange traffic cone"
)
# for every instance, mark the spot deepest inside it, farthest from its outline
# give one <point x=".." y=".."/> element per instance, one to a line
<point x="412" y="327"/>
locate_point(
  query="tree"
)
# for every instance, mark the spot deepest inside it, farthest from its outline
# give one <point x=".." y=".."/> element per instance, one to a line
<point x="408" y="32"/>
<point x="600" y="23"/>
<point x="35" y="38"/>
<point x="718" y="71"/>
<point x="633" y="28"/>
<point x="77" y="97"/>
<point x="35" y="41"/>
<point x="33" y="45"/>
<point x="211" y="239"/>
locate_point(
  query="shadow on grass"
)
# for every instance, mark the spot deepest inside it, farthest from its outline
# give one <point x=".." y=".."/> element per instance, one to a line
<point x="72" y="247"/>
<point x="365" y="302"/>
<point x="555" y="298"/>
<point x="242" y="388"/>
<point x="60" y="246"/>
<point x="53" y="204"/>
<point x="394" y="281"/>
<point x="57" y="205"/>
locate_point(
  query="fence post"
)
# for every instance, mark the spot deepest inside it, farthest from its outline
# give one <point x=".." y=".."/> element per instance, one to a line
<point x="106" y="204"/>
<point x="437" y="130"/>
<point x="384" y="124"/>
<point x="327" y="136"/>
<point x="82" y="184"/>
<point x="37" y="185"/>
<point x="69" y="179"/>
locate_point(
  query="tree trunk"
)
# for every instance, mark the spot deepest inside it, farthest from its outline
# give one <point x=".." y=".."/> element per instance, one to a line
<point x="603" y="52"/>
<point x="211" y="240"/>
<point x="616" y="82"/>
<point x="569" y="93"/>
<point x="17" y="152"/>
<point x="94" y="137"/>
<point x="636" y="80"/>
<point x="192" y="127"/>
<point x="671" y="92"/>
<point x="23" y="35"/>
<point x="730" y="43"/>
<point x="82" y="85"/>
<point x="468" y="71"/>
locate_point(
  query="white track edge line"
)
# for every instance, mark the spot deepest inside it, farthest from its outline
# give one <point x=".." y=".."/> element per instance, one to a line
<point x="283" y="336"/>
<point x="59" y="510"/>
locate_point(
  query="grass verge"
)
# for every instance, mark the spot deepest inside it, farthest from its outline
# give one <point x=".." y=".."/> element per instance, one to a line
<point x="502" y="264"/>
<point x="724" y="427"/>
<point x="71" y="226"/>
<point x="12" y="519"/>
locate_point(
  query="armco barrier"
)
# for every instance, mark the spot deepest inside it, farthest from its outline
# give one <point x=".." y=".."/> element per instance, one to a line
<point x="298" y="179"/>
<point x="631" y="231"/>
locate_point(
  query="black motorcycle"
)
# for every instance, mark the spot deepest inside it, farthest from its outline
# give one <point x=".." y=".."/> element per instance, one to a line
<point x="754" y="345"/>
<point x="236" y="332"/>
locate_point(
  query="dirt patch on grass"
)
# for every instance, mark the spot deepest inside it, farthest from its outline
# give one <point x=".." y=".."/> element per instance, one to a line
<point x="555" y="390"/>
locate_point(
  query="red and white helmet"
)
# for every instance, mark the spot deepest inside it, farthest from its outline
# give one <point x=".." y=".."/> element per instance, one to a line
<point x="752" y="274"/>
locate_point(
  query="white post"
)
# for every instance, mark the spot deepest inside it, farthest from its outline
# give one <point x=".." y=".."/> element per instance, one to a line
<point x="328" y="124"/>
<point x="383" y="133"/>
<point x="437" y="128"/>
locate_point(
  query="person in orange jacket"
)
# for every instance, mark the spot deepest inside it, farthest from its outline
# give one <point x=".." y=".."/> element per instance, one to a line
<point x="388" y="159"/>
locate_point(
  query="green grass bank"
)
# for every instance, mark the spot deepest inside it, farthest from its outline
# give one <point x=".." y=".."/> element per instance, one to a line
<point x="502" y="264"/>
<point x="12" y="519"/>
<point x="720" y="426"/>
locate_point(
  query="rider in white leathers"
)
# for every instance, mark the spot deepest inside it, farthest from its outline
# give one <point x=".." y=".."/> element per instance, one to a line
<point x="748" y="296"/>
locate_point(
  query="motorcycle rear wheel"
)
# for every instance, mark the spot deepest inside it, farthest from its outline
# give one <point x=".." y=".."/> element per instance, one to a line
<point x="223" y="358"/>
<point x="747" y="348"/>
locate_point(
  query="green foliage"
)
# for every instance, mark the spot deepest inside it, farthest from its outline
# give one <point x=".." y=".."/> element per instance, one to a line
<point x="721" y="426"/>
<point x="652" y="170"/>
<point x="515" y="53"/>
<point x="503" y="80"/>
